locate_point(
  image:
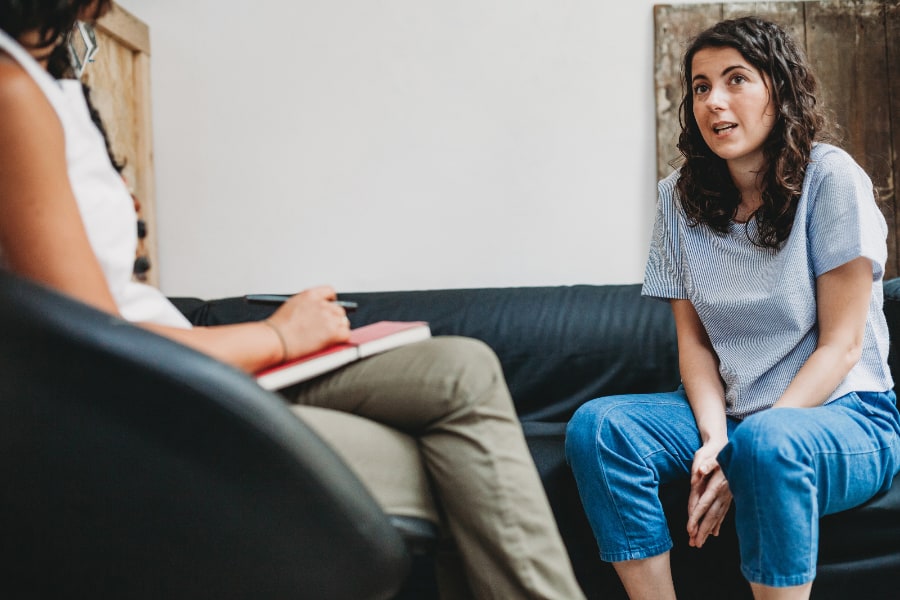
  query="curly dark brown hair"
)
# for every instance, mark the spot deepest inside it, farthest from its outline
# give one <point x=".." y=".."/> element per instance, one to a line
<point x="706" y="189"/>
<point x="52" y="19"/>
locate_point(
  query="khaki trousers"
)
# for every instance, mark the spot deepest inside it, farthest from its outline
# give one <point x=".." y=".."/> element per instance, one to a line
<point x="448" y="397"/>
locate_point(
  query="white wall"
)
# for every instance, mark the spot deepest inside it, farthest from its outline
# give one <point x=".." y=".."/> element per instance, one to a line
<point x="400" y="144"/>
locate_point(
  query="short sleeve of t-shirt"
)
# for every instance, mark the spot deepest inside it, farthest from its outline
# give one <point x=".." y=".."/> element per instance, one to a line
<point x="844" y="220"/>
<point x="662" y="276"/>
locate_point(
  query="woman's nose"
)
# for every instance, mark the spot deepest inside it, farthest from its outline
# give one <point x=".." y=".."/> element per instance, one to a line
<point x="715" y="100"/>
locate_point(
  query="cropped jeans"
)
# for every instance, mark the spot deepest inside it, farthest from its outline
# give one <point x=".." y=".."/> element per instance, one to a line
<point x="786" y="467"/>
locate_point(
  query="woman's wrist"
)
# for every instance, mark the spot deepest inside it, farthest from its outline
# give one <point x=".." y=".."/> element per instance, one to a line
<point x="713" y="429"/>
<point x="715" y="440"/>
<point x="709" y="414"/>
<point x="283" y="353"/>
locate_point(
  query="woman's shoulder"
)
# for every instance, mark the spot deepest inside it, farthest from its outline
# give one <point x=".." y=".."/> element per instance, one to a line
<point x="834" y="168"/>
<point x="30" y="128"/>
<point x="826" y="158"/>
<point x="666" y="186"/>
<point x="12" y="75"/>
<point x="669" y="180"/>
<point x="20" y="94"/>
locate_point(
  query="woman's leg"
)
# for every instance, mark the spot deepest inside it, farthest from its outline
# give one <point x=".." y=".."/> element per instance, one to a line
<point x="390" y="465"/>
<point x="621" y="449"/>
<point x="387" y="461"/>
<point x="788" y="466"/>
<point x="449" y="393"/>
<point x="647" y="578"/>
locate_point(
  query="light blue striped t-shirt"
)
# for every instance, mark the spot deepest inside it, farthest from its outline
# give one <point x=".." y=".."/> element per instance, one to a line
<point x="759" y="305"/>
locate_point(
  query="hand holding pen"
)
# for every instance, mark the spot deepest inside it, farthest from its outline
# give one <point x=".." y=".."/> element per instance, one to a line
<point x="347" y="305"/>
<point x="307" y="321"/>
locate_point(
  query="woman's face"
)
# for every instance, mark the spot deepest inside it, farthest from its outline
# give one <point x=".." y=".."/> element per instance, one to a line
<point x="732" y="106"/>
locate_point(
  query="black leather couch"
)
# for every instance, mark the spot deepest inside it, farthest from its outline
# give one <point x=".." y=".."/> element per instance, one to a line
<point x="562" y="346"/>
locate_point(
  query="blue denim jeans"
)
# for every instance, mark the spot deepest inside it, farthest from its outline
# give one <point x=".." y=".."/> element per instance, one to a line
<point x="786" y="467"/>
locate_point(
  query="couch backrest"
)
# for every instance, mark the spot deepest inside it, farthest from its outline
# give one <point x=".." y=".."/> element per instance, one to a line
<point x="559" y="345"/>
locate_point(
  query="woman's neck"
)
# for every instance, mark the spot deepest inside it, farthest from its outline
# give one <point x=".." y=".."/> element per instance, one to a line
<point x="748" y="181"/>
<point x="31" y="41"/>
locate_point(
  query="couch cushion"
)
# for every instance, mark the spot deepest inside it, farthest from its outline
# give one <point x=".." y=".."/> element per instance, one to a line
<point x="560" y="346"/>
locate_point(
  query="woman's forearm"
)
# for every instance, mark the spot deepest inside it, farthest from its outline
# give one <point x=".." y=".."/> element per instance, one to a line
<point x="819" y="377"/>
<point x="305" y="323"/>
<point x="699" y="367"/>
<point x="705" y="392"/>
<point x="247" y="346"/>
<point x="842" y="302"/>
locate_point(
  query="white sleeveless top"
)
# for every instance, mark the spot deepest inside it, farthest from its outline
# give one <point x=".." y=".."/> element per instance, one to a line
<point x="105" y="204"/>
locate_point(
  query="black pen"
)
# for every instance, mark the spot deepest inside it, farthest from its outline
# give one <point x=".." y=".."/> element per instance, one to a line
<point x="347" y="305"/>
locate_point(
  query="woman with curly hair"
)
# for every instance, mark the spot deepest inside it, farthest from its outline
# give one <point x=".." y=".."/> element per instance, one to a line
<point x="68" y="222"/>
<point x="770" y="247"/>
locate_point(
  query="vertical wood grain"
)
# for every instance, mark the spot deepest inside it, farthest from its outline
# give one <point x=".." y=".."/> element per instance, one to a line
<point x="890" y="193"/>
<point x="127" y="29"/>
<point x="847" y="49"/>
<point x="675" y="26"/>
<point x="145" y="184"/>
<point x="119" y="79"/>
<point x="789" y="15"/>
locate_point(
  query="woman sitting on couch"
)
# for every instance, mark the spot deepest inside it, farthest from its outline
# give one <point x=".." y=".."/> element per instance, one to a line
<point x="770" y="248"/>
<point x="69" y="223"/>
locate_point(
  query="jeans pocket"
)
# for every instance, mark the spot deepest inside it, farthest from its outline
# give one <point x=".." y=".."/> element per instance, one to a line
<point x="881" y="408"/>
<point x="855" y="403"/>
<point x="879" y="404"/>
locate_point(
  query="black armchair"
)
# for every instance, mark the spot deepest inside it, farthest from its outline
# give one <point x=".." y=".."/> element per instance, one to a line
<point x="134" y="467"/>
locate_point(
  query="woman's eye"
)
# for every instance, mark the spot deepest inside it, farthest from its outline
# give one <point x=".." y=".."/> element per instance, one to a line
<point x="738" y="79"/>
<point x="700" y="88"/>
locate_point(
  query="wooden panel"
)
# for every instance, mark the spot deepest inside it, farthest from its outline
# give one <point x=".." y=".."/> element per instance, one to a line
<point x="789" y="15"/>
<point x="119" y="79"/>
<point x="854" y="48"/>
<point x="127" y="29"/>
<point x="847" y="50"/>
<point x="891" y="192"/>
<point x="145" y="183"/>
<point x="675" y="26"/>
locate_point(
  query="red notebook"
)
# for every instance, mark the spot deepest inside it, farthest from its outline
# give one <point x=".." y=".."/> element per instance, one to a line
<point x="364" y="341"/>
